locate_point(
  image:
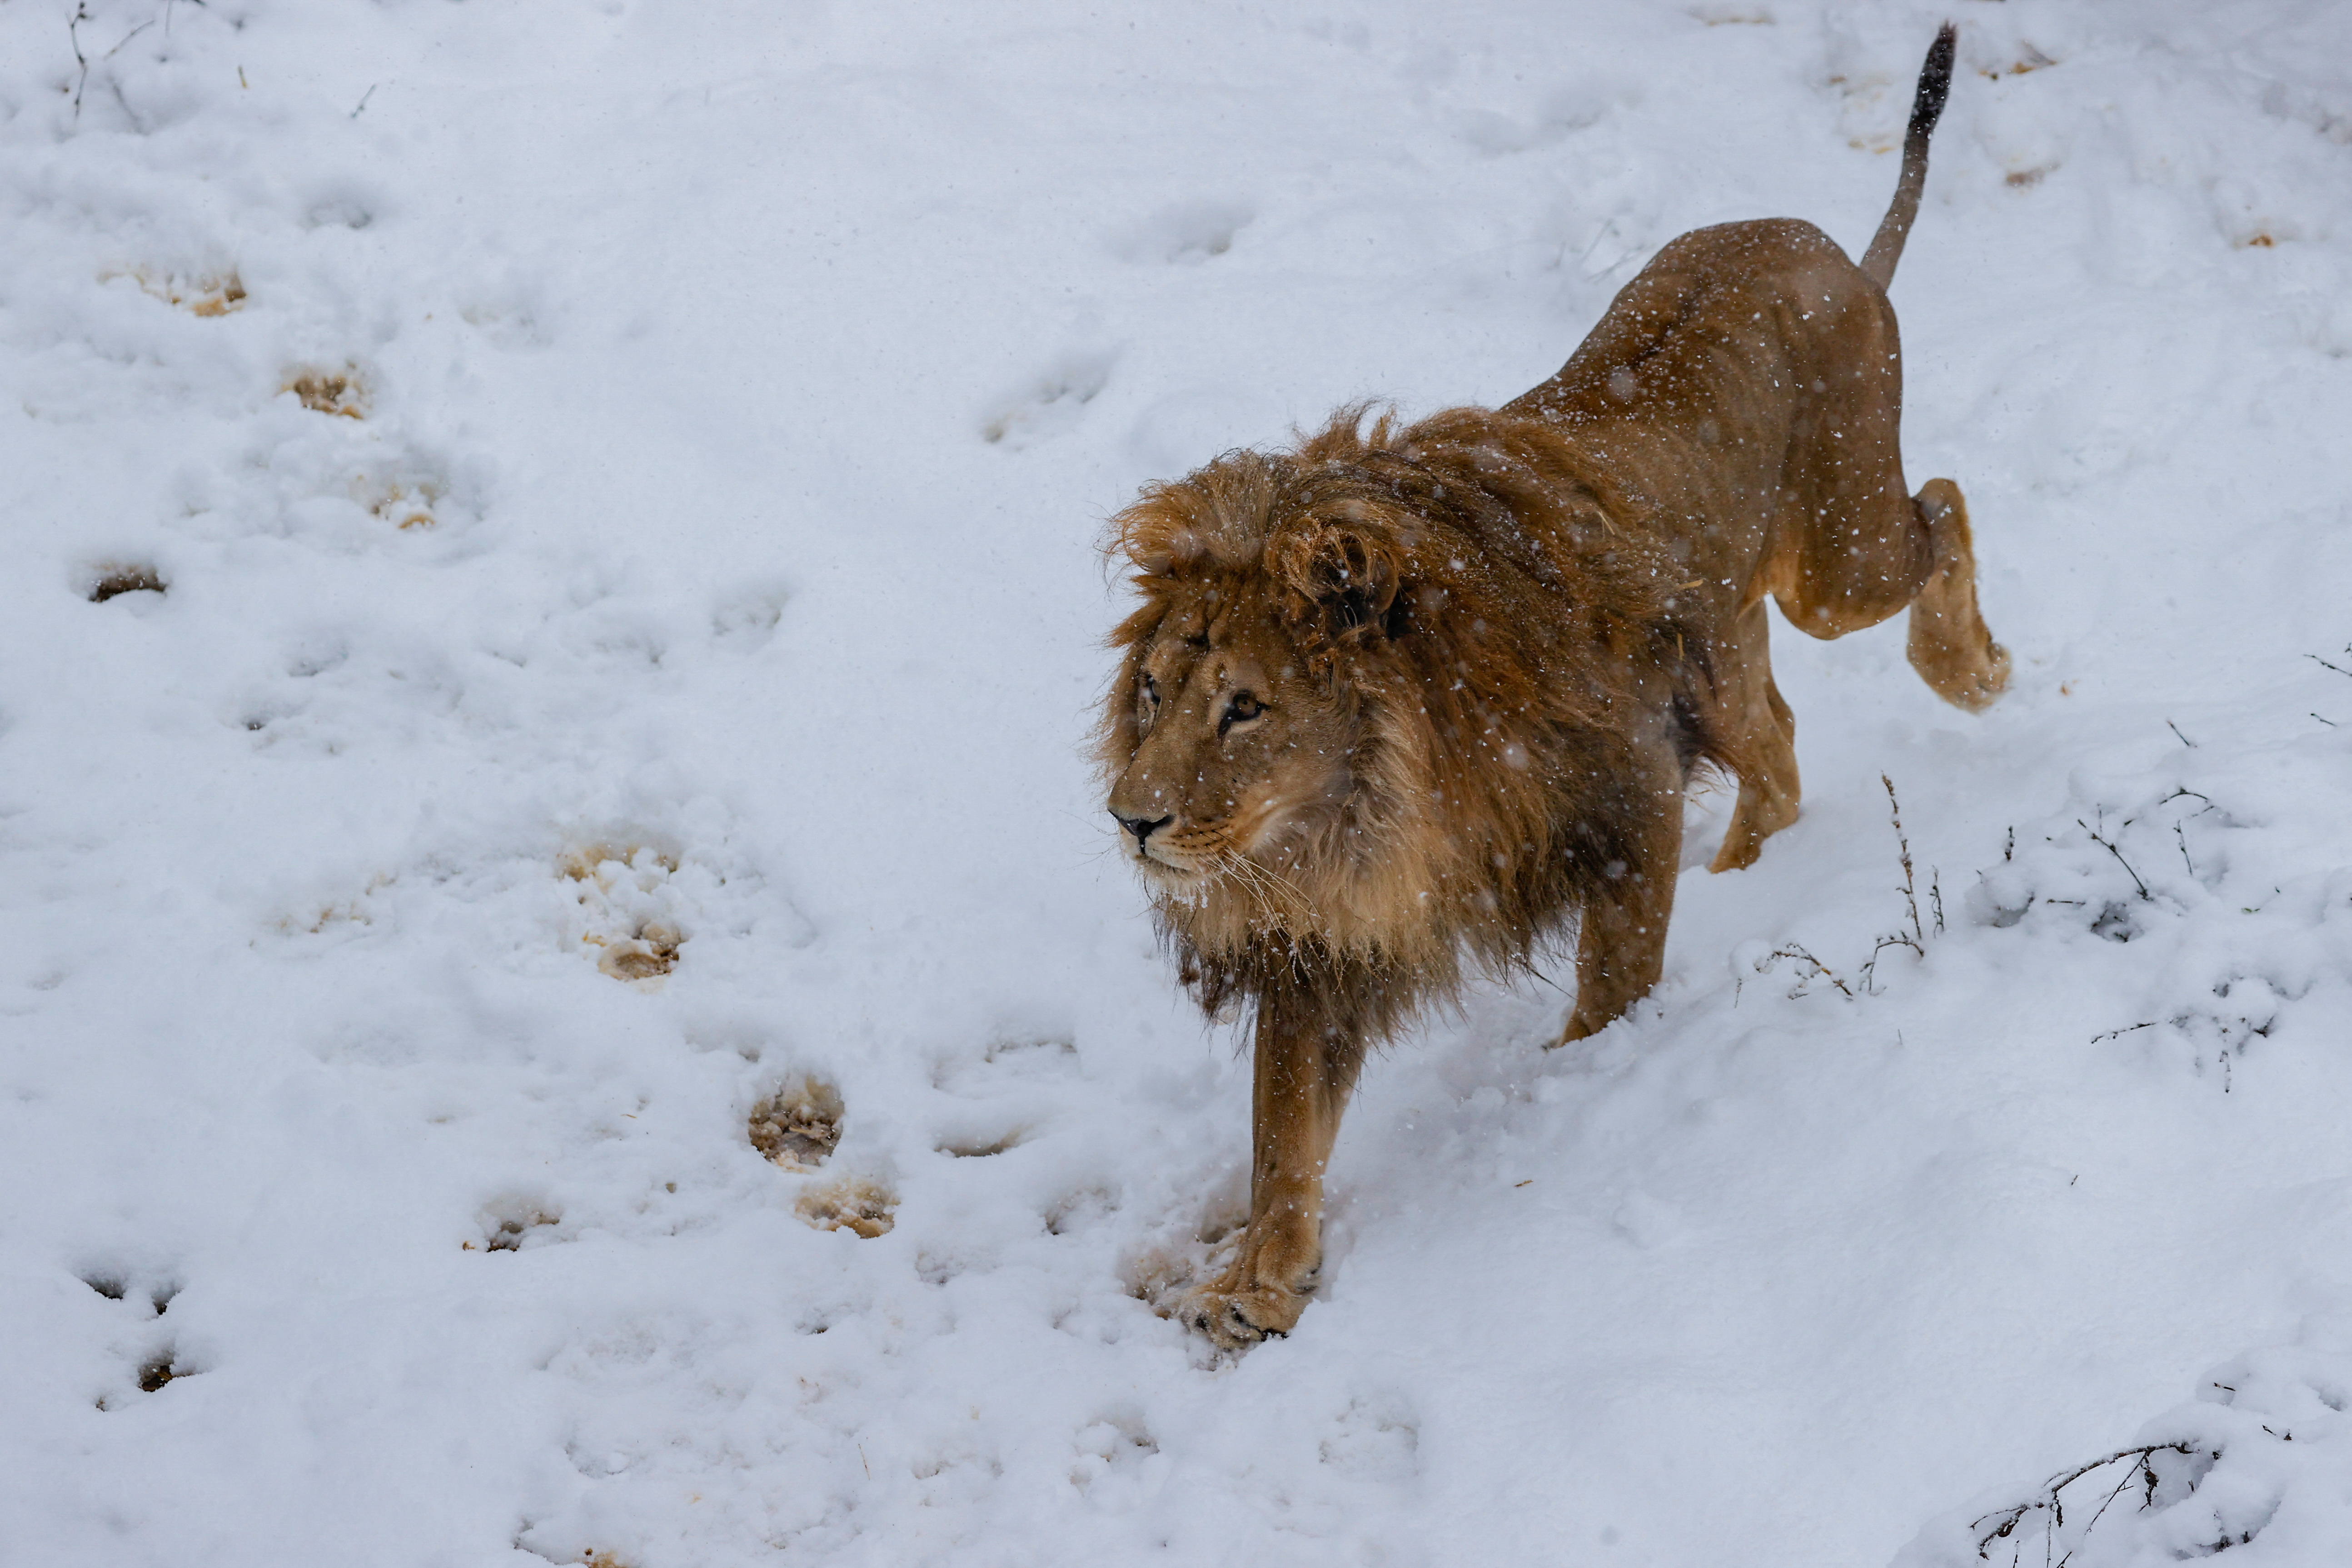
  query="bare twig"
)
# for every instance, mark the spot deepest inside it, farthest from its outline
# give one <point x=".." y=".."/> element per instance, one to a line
<point x="2107" y="845"/>
<point x="2176" y="729"/>
<point x="2129" y="1028"/>
<point x="2129" y="1477"/>
<point x="1869" y="971"/>
<point x="126" y="38"/>
<point x="2324" y="665"/>
<point x="2051" y="1501"/>
<point x="73" y="36"/>
<point x="1935" y="897"/>
<point x="1594" y="246"/>
<point x="365" y="97"/>
<point x="1916" y="937"/>
<point x="2185" y="860"/>
<point x="1795" y="952"/>
<point x="1910" y="897"/>
<point x="81" y="61"/>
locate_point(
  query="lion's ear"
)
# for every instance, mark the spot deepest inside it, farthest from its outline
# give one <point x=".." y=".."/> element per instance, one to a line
<point x="1348" y="580"/>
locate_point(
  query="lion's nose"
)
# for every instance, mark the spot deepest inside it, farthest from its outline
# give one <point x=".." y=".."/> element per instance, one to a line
<point x="1141" y="826"/>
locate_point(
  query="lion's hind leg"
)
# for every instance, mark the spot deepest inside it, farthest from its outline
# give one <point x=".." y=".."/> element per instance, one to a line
<point x="1949" y="644"/>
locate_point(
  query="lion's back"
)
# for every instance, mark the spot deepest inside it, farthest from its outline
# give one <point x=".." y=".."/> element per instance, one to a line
<point x="1727" y="322"/>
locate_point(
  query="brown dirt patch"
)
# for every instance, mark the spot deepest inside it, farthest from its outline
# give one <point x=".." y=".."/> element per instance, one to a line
<point x="114" y="578"/>
<point x="853" y="1203"/>
<point x="337" y="392"/>
<point x="799" y="1125"/>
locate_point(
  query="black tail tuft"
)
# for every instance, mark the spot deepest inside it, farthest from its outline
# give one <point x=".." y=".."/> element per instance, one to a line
<point x="1934" y="84"/>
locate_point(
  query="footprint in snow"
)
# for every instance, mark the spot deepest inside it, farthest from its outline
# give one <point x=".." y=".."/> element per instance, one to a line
<point x="515" y="1223"/>
<point x="1186" y="232"/>
<point x="123" y="1284"/>
<point x="798" y="1126"/>
<point x="1377" y="1439"/>
<point x="1005" y="1061"/>
<point x="859" y="1204"/>
<point x="1050" y="405"/>
<point x="212" y="293"/>
<point x="106" y="580"/>
<point x="980" y="1142"/>
<point x="1111" y="1446"/>
<point x="744" y="621"/>
<point x="158" y="1362"/>
<point x="342" y="392"/>
<point x="633" y="913"/>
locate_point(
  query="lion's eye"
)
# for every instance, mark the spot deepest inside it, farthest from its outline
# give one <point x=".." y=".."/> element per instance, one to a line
<point x="1240" y="710"/>
<point x="1151" y="691"/>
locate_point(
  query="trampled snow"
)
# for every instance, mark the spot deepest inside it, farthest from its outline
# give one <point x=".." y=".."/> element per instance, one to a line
<point x="554" y="600"/>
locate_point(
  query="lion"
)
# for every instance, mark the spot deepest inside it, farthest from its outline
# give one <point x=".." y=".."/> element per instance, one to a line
<point x="1400" y="704"/>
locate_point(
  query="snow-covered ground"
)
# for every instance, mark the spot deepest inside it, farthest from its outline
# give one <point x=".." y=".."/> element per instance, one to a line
<point x="627" y="480"/>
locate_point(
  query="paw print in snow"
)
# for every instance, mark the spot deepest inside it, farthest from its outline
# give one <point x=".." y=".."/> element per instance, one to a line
<point x="633" y="912"/>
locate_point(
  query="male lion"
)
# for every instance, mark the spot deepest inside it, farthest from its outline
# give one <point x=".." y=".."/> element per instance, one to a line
<point x="1400" y="704"/>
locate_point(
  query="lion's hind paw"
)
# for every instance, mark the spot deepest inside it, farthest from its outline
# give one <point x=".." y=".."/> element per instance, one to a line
<point x="1989" y="681"/>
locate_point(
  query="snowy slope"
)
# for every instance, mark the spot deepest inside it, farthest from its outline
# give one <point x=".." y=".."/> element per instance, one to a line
<point x="626" y="478"/>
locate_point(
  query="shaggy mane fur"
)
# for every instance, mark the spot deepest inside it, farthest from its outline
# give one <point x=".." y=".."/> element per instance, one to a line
<point x="1469" y="590"/>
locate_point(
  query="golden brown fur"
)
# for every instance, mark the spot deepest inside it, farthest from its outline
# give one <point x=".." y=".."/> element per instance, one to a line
<point x="1405" y="701"/>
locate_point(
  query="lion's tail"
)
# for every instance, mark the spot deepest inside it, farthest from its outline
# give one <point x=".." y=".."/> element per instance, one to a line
<point x="1935" y="81"/>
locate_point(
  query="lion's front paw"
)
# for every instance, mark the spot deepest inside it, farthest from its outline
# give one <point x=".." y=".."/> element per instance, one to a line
<point x="1234" y="1314"/>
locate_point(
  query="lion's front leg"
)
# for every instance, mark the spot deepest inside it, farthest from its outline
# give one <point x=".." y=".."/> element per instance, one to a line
<point x="1305" y="1063"/>
<point x="1620" y="945"/>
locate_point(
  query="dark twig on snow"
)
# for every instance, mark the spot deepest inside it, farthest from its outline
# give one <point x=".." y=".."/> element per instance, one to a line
<point x="365" y="97"/>
<point x="1796" y="951"/>
<point x="2126" y="1030"/>
<point x="1869" y="971"/>
<point x="2176" y="729"/>
<point x="2324" y="665"/>
<point x="73" y="36"/>
<point x="1915" y="939"/>
<point x="1910" y="897"/>
<point x="81" y="61"/>
<point x="126" y="38"/>
<point x="2185" y="860"/>
<point x="2108" y="844"/>
<point x="2005" y="1521"/>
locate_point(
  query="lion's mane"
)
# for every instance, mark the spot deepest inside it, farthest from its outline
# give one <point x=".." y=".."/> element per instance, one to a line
<point x="1472" y="590"/>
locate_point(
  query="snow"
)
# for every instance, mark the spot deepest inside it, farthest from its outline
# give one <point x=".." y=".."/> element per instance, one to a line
<point x="707" y="569"/>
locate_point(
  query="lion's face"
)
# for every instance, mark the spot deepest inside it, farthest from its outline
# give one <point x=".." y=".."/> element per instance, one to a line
<point x="1240" y="757"/>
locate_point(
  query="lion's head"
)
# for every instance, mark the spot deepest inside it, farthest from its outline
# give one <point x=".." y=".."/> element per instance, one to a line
<point x="1235" y="747"/>
<point x="1365" y="680"/>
